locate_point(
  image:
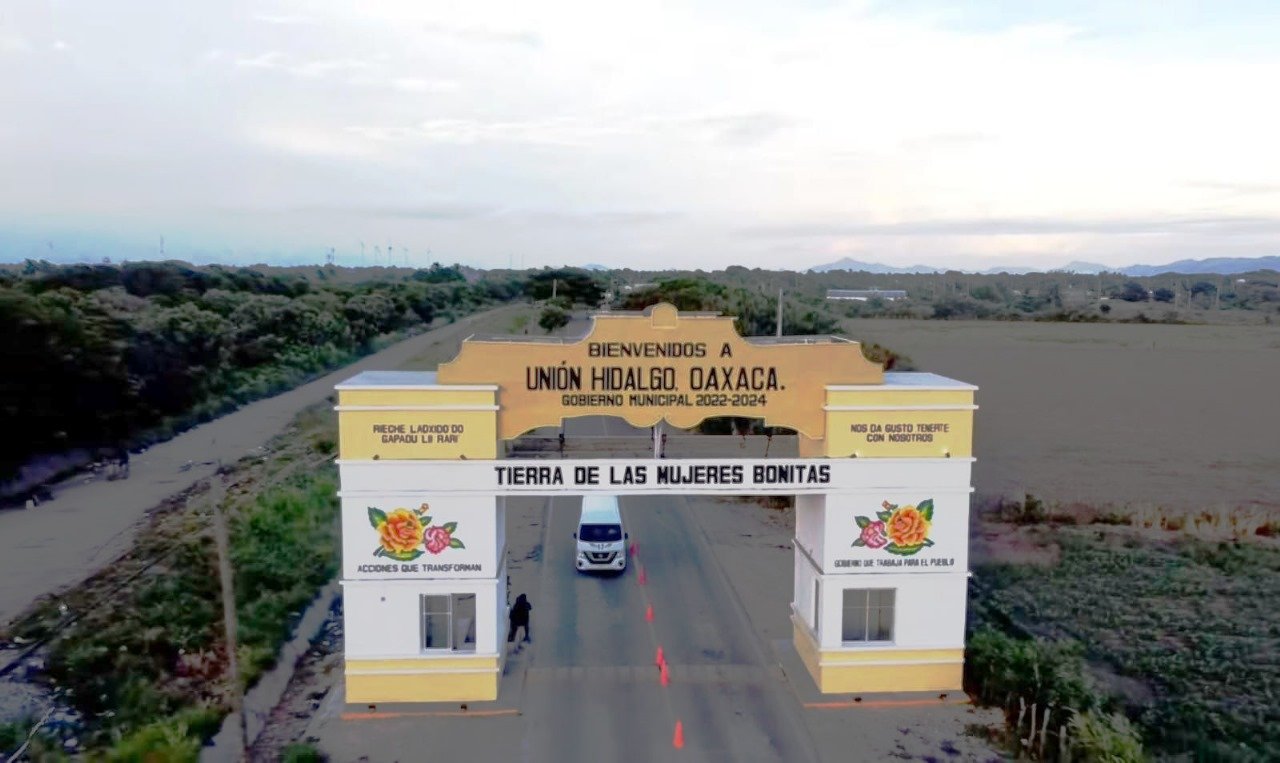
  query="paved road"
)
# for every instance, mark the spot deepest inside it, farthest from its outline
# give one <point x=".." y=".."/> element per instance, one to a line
<point x="592" y="691"/>
<point x="87" y="525"/>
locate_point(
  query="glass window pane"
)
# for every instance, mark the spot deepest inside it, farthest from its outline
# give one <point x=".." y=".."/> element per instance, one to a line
<point x="817" y="605"/>
<point x="855" y="597"/>
<point x="881" y="627"/>
<point x="435" y="602"/>
<point x="464" y="622"/>
<point x="435" y="631"/>
<point x="882" y="597"/>
<point x="853" y="625"/>
<point x="435" y="620"/>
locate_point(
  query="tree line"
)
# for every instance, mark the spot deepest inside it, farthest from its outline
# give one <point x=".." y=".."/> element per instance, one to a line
<point x="107" y="356"/>
<point x="1052" y="295"/>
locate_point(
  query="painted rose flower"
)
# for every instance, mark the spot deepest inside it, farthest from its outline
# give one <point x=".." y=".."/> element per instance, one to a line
<point x="402" y="531"/>
<point x="438" y="539"/>
<point x="908" y="527"/>
<point x="873" y="535"/>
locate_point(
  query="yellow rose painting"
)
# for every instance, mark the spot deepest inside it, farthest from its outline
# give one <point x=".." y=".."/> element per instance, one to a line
<point x="405" y="534"/>
<point x="901" y="530"/>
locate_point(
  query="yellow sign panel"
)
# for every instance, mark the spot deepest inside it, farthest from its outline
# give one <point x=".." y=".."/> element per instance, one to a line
<point x="406" y="434"/>
<point x="644" y="368"/>
<point x="900" y="434"/>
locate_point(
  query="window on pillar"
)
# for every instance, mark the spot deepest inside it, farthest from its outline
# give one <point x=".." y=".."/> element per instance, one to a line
<point x="448" y="621"/>
<point x="868" y="615"/>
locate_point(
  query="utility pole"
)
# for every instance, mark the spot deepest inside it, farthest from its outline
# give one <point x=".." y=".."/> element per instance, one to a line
<point x="217" y="493"/>
<point x="779" y="312"/>
<point x="554" y="281"/>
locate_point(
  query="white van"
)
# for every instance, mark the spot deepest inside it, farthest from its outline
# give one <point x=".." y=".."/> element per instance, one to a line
<point x="601" y="536"/>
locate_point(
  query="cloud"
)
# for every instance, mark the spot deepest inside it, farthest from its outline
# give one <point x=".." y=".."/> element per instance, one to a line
<point x="946" y="141"/>
<point x="277" y="61"/>
<point x="484" y="35"/>
<point x="13" y="43"/>
<point x="719" y="132"/>
<point x="323" y="67"/>
<point x="1221" y="226"/>
<point x="1237" y="188"/>
<point x="419" y="85"/>
<point x="745" y="129"/>
<point x="442" y="211"/>
<point x="563" y="131"/>
<point x="272" y="59"/>
<point x="600" y="218"/>
<point x="285" y="19"/>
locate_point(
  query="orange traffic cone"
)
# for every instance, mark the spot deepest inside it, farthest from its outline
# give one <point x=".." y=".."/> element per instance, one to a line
<point x="660" y="660"/>
<point x="663" y="675"/>
<point x="641" y="579"/>
<point x="678" y="740"/>
<point x="648" y="614"/>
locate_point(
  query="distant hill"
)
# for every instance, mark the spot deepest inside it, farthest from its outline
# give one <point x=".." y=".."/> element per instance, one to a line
<point x="871" y="267"/>
<point x="595" y="266"/>
<point x="1218" y="265"/>
<point x="1077" y="266"/>
<point x="1221" y="265"/>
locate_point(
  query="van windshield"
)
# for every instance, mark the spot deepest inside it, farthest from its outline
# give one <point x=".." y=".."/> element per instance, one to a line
<point x="600" y="533"/>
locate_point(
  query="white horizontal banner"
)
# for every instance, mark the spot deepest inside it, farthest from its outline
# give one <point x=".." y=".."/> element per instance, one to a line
<point x="728" y="476"/>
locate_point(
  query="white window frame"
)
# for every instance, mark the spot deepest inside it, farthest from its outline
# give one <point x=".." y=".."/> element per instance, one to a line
<point x="451" y="609"/>
<point x="867" y="609"/>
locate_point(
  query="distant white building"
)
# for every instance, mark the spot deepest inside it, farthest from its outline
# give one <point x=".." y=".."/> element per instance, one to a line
<point x="862" y="295"/>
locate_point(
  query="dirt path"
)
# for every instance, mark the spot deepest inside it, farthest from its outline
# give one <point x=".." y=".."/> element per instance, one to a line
<point x="91" y="522"/>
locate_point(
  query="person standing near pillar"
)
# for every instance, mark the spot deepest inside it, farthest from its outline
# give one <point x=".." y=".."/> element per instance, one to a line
<point x="520" y="618"/>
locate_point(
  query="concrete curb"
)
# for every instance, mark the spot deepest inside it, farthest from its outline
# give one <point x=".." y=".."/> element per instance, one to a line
<point x="266" y="694"/>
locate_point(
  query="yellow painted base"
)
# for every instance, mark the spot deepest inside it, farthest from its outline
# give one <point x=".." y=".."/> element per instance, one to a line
<point x="429" y="679"/>
<point x="853" y="671"/>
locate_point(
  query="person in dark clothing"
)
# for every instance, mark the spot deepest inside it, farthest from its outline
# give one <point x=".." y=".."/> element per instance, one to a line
<point x="520" y="618"/>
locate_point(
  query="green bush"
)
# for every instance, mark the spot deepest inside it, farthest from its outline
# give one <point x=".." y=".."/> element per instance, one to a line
<point x="1104" y="738"/>
<point x="553" y="318"/>
<point x="1000" y="666"/>
<point x="166" y="741"/>
<point x="284" y="549"/>
<point x="13" y="734"/>
<point x="160" y="654"/>
<point x="1192" y="679"/>
<point x="302" y="753"/>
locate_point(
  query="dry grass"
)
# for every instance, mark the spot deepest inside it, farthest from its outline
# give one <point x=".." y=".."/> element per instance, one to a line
<point x="1250" y="522"/>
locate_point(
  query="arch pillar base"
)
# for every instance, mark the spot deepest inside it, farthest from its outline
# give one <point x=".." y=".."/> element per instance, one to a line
<point x="865" y="620"/>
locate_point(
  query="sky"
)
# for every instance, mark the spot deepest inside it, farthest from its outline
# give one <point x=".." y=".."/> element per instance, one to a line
<point x="649" y="134"/>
